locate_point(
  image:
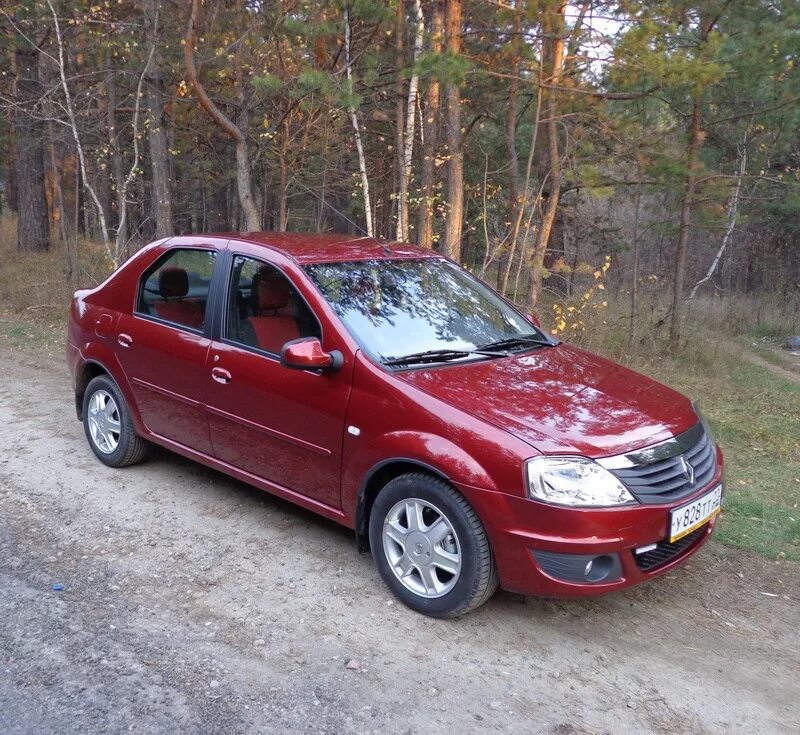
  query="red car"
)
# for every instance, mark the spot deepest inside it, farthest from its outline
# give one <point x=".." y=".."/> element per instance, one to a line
<point x="387" y="388"/>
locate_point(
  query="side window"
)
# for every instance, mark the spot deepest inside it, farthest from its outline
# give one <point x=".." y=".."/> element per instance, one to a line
<point x="264" y="309"/>
<point x="176" y="287"/>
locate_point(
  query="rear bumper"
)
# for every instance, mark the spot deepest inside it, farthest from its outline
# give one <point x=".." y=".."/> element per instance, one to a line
<point x="528" y="539"/>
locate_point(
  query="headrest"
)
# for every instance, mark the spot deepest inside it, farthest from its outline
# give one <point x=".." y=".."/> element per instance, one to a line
<point x="270" y="290"/>
<point x="173" y="282"/>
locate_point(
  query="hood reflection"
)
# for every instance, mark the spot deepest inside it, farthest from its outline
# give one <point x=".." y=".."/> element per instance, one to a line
<point x="562" y="400"/>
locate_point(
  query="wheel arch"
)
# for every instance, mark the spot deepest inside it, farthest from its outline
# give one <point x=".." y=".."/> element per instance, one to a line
<point x="90" y="370"/>
<point x="375" y="480"/>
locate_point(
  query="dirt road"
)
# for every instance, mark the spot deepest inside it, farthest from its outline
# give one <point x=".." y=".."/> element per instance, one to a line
<point x="192" y="603"/>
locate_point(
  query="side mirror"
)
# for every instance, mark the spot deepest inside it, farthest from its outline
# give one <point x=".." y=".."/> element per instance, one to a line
<point x="535" y="319"/>
<point x="306" y="353"/>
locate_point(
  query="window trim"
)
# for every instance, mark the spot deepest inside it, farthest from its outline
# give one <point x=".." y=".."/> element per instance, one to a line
<point x="225" y="305"/>
<point x="208" y="316"/>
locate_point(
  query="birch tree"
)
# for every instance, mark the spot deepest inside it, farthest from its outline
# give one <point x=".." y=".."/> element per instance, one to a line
<point x="352" y="111"/>
<point x="409" y="128"/>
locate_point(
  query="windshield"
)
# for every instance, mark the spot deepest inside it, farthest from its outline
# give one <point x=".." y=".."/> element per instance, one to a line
<point x="396" y="308"/>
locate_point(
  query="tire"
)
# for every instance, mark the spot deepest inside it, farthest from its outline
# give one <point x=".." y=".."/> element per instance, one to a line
<point x="471" y="577"/>
<point x="112" y="436"/>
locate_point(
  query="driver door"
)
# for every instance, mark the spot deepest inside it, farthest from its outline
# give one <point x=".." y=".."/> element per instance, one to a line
<point x="279" y="424"/>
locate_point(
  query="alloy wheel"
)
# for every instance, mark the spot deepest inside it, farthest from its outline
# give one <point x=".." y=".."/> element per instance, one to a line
<point x="422" y="547"/>
<point x="104" y="421"/>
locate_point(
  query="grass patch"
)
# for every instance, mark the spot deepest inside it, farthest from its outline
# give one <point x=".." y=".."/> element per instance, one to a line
<point x="25" y="335"/>
<point x="772" y="351"/>
<point x="755" y="417"/>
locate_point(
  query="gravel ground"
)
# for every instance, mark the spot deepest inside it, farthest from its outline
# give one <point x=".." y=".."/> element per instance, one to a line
<point x="193" y="603"/>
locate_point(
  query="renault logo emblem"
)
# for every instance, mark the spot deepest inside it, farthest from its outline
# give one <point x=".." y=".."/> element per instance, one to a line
<point x="688" y="470"/>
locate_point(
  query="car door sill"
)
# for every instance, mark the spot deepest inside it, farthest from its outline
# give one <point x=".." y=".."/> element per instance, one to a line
<point x="328" y="511"/>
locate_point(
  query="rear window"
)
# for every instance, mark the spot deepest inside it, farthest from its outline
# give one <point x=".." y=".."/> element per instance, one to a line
<point x="175" y="288"/>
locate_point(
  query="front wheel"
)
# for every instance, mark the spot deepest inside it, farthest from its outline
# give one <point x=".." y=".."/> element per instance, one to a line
<point x="108" y="424"/>
<point x="430" y="546"/>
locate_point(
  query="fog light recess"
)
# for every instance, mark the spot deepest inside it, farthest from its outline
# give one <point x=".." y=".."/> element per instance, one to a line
<point x="598" y="568"/>
<point x="579" y="568"/>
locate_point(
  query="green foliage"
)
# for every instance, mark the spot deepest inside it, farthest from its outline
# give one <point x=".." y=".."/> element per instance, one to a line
<point x="445" y="67"/>
<point x="310" y="81"/>
<point x="373" y="12"/>
<point x="267" y="84"/>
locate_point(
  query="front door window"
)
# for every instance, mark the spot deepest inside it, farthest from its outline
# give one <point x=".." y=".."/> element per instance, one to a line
<point x="265" y="311"/>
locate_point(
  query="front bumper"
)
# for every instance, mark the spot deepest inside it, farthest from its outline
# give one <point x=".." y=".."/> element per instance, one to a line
<point x="529" y="538"/>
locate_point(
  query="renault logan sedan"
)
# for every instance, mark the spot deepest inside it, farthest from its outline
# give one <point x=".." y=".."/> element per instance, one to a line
<point x="387" y="388"/>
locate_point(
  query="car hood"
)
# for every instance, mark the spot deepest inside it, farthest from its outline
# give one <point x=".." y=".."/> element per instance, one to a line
<point x="562" y="400"/>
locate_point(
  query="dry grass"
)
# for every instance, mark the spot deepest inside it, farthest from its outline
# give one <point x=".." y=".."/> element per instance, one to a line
<point x="765" y="315"/>
<point x="707" y="322"/>
<point x="35" y="286"/>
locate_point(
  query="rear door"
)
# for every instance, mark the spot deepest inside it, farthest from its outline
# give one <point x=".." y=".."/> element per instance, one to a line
<point x="163" y="345"/>
<point x="282" y="425"/>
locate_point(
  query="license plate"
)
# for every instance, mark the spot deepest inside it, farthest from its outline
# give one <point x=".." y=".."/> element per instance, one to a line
<point x="691" y="516"/>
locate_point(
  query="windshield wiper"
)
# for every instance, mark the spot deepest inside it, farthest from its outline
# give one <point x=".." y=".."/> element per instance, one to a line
<point x="416" y="358"/>
<point x="492" y="349"/>
<point x="520" y="341"/>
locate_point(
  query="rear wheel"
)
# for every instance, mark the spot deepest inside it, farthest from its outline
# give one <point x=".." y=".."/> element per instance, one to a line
<point x="108" y="425"/>
<point x="430" y="546"/>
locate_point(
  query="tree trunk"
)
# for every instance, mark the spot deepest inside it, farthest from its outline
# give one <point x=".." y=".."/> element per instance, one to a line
<point x="243" y="177"/>
<point x="9" y="159"/>
<point x="116" y="153"/>
<point x="430" y="135"/>
<point x="635" y="267"/>
<point x="554" y="28"/>
<point x="33" y="225"/>
<point x="411" y="116"/>
<point x="527" y="201"/>
<point x="513" y="158"/>
<point x="156" y="133"/>
<point x="399" y="30"/>
<point x="352" y="112"/>
<point x="197" y="202"/>
<point x="696" y="136"/>
<point x="73" y="126"/>
<point x="455" y="166"/>
<point x="70" y="246"/>
<point x="733" y="209"/>
<point x="689" y="184"/>
<point x="283" y="194"/>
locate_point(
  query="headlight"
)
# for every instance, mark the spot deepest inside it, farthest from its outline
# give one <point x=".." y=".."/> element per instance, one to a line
<point x="574" y="481"/>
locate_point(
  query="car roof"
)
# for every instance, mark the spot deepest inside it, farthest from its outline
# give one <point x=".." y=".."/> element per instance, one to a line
<point x="326" y="247"/>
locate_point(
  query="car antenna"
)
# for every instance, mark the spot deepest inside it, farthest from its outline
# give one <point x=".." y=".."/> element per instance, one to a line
<point x="331" y="207"/>
<point x="384" y="246"/>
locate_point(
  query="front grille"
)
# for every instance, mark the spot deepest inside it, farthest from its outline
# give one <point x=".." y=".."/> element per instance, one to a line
<point x="666" y="551"/>
<point x="658" y="479"/>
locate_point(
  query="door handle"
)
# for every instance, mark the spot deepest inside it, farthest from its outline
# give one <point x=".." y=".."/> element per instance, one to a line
<point x="125" y="340"/>
<point x="221" y="375"/>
